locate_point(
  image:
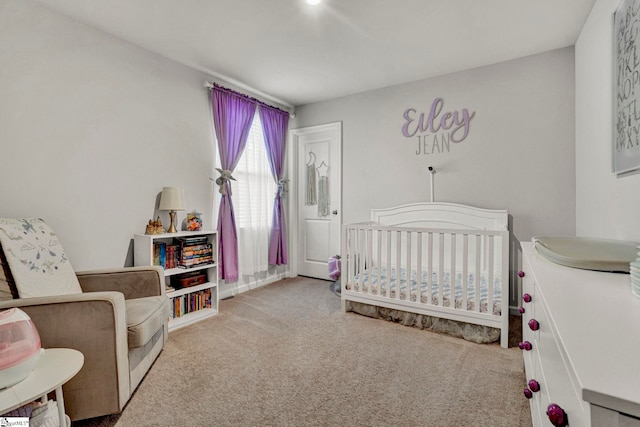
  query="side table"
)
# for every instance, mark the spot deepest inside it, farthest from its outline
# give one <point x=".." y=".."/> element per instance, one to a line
<point x="55" y="367"/>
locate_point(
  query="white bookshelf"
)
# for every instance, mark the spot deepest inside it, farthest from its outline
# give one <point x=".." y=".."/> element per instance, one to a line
<point x="144" y="246"/>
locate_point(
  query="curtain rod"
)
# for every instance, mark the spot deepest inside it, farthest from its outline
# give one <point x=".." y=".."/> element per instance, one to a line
<point x="210" y="85"/>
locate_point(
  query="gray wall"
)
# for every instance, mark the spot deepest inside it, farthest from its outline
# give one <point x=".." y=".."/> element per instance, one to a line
<point x="606" y="205"/>
<point x="519" y="154"/>
<point x="91" y="129"/>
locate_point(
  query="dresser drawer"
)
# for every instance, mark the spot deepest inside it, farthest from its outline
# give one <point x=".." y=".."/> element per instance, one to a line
<point x="557" y="382"/>
<point x="527" y="309"/>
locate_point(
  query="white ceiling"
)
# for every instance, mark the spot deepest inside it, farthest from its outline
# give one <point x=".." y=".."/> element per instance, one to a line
<point x="297" y="54"/>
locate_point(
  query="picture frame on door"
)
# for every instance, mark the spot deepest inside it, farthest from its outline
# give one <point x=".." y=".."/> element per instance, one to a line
<point x="625" y="147"/>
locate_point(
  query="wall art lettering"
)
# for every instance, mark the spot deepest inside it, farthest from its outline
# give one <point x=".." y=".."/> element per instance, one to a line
<point x="436" y="129"/>
<point x="626" y="87"/>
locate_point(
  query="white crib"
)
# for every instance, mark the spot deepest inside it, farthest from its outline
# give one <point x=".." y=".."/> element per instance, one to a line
<point x="444" y="260"/>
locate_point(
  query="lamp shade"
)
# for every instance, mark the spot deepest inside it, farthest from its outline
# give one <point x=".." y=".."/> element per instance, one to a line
<point x="172" y="199"/>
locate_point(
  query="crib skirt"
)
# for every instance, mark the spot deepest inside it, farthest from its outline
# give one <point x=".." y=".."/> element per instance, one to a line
<point x="475" y="333"/>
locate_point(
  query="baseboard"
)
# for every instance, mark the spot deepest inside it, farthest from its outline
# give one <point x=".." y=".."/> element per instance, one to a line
<point x="228" y="290"/>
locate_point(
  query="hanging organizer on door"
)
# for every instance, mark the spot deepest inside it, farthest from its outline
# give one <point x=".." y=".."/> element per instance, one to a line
<point x="310" y="193"/>
<point x="323" y="189"/>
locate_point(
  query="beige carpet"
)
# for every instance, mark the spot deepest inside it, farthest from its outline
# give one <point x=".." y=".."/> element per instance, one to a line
<point x="285" y="355"/>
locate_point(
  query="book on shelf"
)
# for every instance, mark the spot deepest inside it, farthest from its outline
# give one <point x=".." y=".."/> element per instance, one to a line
<point x="165" y="255"/>
<point x="190" y="303"/>
<point x="194" y="240"/>
<point x="172" y="256"/>
<point x="197" y="252"/>
<point x="195" y="255"/>
<point x="196" y="262"/>
<point x="159" y="253"/>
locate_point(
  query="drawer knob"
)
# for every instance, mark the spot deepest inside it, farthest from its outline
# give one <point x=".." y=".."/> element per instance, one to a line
<point x="526" y="345"/>
<point x="528" y="393"/>
<point x="526" y="298"/>
<point x="520" y="273"/>
<point x="557" y="416"/>
<point x="534" y="386"/>
<point x="534" y="325"/>
<point x="521" y="310"/>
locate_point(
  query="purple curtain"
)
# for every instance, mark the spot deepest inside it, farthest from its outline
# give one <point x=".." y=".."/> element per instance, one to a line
<point x="232" y="117"/>
<point x="274" y="126"/>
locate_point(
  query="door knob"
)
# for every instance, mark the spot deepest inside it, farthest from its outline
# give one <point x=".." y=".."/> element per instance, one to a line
<point x="335" y="212"/>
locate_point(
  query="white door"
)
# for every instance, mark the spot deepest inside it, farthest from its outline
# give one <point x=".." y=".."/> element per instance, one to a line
<point x="319" y="196"/>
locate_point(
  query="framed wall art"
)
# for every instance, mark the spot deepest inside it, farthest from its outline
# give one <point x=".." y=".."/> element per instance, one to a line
<point x="626" y="87"/>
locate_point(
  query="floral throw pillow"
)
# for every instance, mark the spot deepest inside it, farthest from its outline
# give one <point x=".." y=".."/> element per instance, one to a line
<point x="37" y="261"/>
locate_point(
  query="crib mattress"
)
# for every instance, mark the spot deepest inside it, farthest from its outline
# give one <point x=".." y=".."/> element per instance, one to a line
<point x="387" y="284"/>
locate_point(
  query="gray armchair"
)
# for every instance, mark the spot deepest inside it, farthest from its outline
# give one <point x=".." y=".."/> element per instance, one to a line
<point x="118" y="321"/>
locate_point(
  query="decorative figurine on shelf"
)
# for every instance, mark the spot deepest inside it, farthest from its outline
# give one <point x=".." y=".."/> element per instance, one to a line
<point x="193" y="221"/>
<point x="155" y="227"/>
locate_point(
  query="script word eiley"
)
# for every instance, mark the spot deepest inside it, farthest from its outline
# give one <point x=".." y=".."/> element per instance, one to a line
<point x="457" y="122"/>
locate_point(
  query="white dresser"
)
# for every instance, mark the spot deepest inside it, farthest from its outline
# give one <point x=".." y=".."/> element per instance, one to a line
<point x="585" y="354"/>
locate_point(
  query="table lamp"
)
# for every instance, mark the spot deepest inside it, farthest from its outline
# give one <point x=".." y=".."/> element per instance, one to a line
<point x="172" y="200"/>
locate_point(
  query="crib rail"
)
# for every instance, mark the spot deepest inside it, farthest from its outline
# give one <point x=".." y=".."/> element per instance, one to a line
<point x="369" y="248"/>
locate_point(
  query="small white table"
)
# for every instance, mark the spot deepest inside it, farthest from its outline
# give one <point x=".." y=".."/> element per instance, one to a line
<point x="55" y="367"/>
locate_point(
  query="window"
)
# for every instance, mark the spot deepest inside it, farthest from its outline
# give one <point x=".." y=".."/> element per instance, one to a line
<point x="254" y="189"/>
